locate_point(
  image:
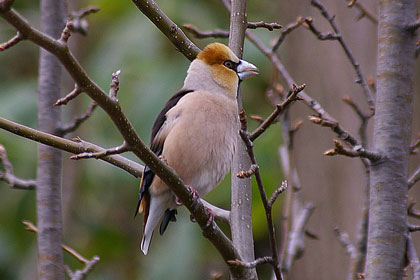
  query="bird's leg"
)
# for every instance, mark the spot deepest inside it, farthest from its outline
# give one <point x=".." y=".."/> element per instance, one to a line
<point x="162" y="158"/>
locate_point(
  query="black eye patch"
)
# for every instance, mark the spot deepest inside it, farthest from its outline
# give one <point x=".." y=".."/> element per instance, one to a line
<point x="231" y="65"/>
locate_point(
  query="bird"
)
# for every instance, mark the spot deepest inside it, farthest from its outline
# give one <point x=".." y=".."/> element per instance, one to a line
<point x="195" y="133"/>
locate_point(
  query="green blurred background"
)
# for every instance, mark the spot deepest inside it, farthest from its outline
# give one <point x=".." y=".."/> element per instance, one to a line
<point x="99" y="200"/>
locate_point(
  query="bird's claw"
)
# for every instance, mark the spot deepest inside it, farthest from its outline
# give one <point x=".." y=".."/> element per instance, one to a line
<point x="211" y="217"/>
<point x="194" y="194"/>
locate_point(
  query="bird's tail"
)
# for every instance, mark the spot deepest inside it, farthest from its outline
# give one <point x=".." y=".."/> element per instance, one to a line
<point x="156" y="209"/>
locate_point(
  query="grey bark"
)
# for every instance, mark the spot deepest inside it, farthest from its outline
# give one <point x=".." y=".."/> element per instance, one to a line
<point x="241" y="200"/>
<point x="48" y="194"/>
<point x="388" y="181"/>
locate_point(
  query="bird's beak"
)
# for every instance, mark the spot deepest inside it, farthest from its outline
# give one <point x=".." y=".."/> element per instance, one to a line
<point x="246" y="70"/>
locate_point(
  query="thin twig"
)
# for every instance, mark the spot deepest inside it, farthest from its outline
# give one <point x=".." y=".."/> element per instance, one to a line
<point x="219" y="213"/>
<point x="412" y="212"/>
<point x="16" y="39"/>
<point x="296" y="236"/>
<point x="292" y="96"/>
<point x="345" y="242"/>
<point x="320" y="35"/>
<point x="217" y="33"/>
<point x="262" y="24"/>
<point x="77" y="121"/>
<point x="248" y="173"/>
<point x="268" y="209"/>
<point x="65" y="35"/>
<point x="366" y="90"/>
<point x="414" y="178"/>
<point x="253" y="264"/>
<point x="284" y="185"/>
<point x="78" y="274"/>
<point x="285" y="31"/>
<point x="73" y="94"/>
<point x="150" y="9"/>
<point x="414" y="26"/>
<point x="363" y="11"/>
<point x="414" y="147"/>
<point x="80" y="24"/>
<point x="357" y="151"/>
<point x="114" y="87"/>
<point x="363" y="119"/>
<point x="8" y="176"/>
<point x="75" y="146"/>
<point x="124" y="147"/>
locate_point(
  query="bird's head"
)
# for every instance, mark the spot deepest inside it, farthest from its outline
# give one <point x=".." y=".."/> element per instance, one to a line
<point x="225" y="68"/>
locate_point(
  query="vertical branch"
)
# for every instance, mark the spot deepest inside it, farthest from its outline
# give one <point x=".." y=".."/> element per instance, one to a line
<point x="241" y="209"/>
<point x="48" y="194"/>
<point x="391" y="137"/>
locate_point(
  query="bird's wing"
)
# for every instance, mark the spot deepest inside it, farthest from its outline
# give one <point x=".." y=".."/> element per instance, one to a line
<point x="159" y="133"/>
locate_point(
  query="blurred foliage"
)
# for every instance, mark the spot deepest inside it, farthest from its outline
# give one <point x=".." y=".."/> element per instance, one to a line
<point x="99" y="199"/>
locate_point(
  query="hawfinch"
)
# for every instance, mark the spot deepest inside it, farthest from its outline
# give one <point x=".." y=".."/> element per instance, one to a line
<point x="195" y="134"/>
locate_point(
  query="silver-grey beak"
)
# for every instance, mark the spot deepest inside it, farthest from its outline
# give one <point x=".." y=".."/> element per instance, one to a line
<point x="246" y="70"/>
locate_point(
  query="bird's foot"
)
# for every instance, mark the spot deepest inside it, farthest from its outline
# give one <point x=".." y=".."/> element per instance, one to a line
<point x="211" y="217"/>
<point x="162" y="158"/>
<point x="194" y="194"/>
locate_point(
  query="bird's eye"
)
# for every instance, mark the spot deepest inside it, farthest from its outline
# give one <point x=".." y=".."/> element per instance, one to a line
<point x="228" y="64"/>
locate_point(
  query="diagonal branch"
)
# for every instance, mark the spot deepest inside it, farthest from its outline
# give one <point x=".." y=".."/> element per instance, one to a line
<point x="364" y="12"/>
<point x="78" y="274"/>
<point x="150" y="9"/>
<point x="77" y="121"/>
<point x="262" y="24"/>
<point x="285" y="31"/>
<point x="357" y="151"/>
<point x="292" y="96"/>
<point x="124" y="147"/>
<point x="414" y="178"/>
<point x="16" y="39"/>
<point x="361" y="80"/>
<point x="8" y="176"/>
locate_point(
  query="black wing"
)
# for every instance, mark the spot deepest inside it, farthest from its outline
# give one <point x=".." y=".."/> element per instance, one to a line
<point x="157" y="146"/>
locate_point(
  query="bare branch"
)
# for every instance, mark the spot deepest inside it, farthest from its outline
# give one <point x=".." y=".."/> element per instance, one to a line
<point x="124" y="147"/>
<point x="76" y="146"/>
<point x="356" y="65"/>
<point x="414" y="26"/>
<point x="252" y="264"/>
<point x="8" y="176"/>
<point x="363" y="11"/>
<point x="413" y="258"/>
<point x="285" y="31"/>
<point x="292" y="96"/>
<point x="16" y="39"/>
<point x="114" y="87"/>
<point x="412" y="212"/>
<point x="320" y="35"/>
<point x="217" y="33"/>
<point x="80" y="24"/>
<point x="413" y="228"/>
<point x="414" y="178"/>
<point x="345" y="242"/>
<point x="73" y="94"/>
<point x="414" y="147"/>
<point x="248" y="173"/>
<point x="77" y="121"/>
<point x="296" y="236"/>
<point x="65" y="35"/>
<point x="78" y="274"/>
<point x="357" y="151"/>
<point x="262" y="24"/>
<point x="268" y="209"/>
<point x="150" y="9"/>
<point x="284" y="185"/>
<point x="219" y="213"/>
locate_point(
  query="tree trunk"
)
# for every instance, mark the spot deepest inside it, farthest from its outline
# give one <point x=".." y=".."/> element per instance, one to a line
<point x="241" y="204"/>
<point x="48" y="194"/>
<point x="388" y="181"/>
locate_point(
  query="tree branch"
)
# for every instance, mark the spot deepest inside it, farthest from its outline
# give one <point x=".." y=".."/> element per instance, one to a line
<point x="262" y="24"/>
<point x="74" y="146"/>
<point x="292" y="96"/>
<point x="363" y="11"/>
<point x="113" y="151"/>
<point x="285" y="31"/>
<point x="361" y="80"/>
<point x="217" y="33"/>
<point x="413" y="258"/>
<point x="414" y="178"/>
<point x="79" y="274"/>
<point x="80" y="24"/>
<point x="345" y="242"/>
<point x="220" y="214"/>
<point x="184" y="45"/>
<point x="284" y="185"/>
<point x="357" y="151"/>
<point x="253" y="264"/>
<point x="16" y="39"/>
<point x="8" y="176"/>
<point x="77" y="121"/>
